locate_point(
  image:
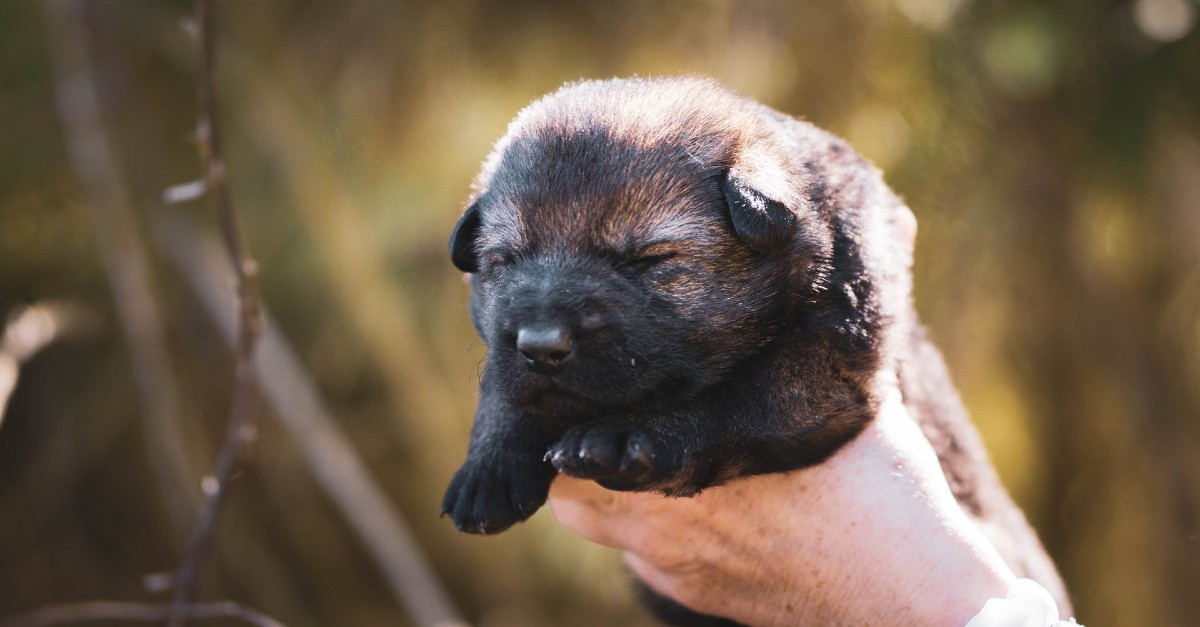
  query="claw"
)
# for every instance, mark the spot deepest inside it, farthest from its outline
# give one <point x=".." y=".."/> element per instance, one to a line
<point x="619" y="457"/>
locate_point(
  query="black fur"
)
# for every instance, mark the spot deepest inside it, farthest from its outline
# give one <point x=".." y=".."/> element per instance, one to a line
<point x="724" y="283"/>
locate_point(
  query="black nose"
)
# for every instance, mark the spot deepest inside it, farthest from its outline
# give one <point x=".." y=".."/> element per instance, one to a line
<point x="546" y="346"/>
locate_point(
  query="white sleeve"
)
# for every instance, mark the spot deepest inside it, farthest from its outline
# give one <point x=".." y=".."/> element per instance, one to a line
<point x="1027" y="604"/>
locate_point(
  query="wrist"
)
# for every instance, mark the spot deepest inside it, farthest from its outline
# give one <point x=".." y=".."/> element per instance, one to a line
<point x="934" y="566"/>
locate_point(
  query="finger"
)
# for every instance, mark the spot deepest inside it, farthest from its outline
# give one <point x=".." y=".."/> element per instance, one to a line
<point x="588" y="510"/>
<point x="621" y="520"/>
<point x="657" y="580"/>
<point x="586" y="521"/>
<point x="567" y="488"/>
<point x="602" y="500"/>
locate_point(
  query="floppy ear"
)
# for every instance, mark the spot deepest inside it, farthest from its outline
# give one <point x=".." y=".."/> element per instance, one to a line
<point x="462" y="240"/>
<point x="762" y="222"/>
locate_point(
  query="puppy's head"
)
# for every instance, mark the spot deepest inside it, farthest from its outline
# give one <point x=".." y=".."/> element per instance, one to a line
<point x="631" y="241"/>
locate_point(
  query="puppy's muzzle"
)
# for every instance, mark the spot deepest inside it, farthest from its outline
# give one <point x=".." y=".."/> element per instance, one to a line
<point x="545" y="347"/>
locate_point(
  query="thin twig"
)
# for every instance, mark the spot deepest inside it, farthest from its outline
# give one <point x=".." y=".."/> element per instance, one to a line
<point x="122" y="611"/>
<point x="381" y="315"/>
<point x="123" y="253"/>
<point x="240" y="431"/>
<point x="327" y="450"/>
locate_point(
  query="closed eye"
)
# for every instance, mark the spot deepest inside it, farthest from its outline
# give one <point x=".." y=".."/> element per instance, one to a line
<point x="649" y="260"/>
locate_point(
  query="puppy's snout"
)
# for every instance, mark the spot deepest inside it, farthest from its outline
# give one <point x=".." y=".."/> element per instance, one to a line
<point x="545" y="347"/>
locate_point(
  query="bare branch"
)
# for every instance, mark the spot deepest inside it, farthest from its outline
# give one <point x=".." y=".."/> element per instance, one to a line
<point x="240" y="431"/>
<point x="327" y="451"/>
<point x="117" y="610"/>
<point x="121" y="248"/>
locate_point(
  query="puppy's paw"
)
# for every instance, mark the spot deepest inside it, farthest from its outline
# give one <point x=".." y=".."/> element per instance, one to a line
<point x="616" y="456"/>
<point x="490" y="497"/>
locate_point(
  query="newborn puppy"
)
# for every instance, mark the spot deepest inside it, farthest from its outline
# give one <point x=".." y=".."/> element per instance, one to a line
<point x="678" y="287"/>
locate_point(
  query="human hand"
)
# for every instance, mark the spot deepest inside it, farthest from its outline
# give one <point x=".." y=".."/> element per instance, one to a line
<point x="870" y="536"/>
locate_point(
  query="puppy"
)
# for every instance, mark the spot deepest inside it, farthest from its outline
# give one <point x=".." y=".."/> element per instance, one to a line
<point x="678" y="287"/>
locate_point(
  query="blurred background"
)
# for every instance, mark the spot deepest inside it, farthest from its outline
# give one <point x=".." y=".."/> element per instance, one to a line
<point x="1049" y="150"/>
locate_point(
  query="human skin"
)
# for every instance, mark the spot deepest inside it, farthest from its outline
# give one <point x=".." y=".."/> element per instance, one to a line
<point x="870" y="536"/>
